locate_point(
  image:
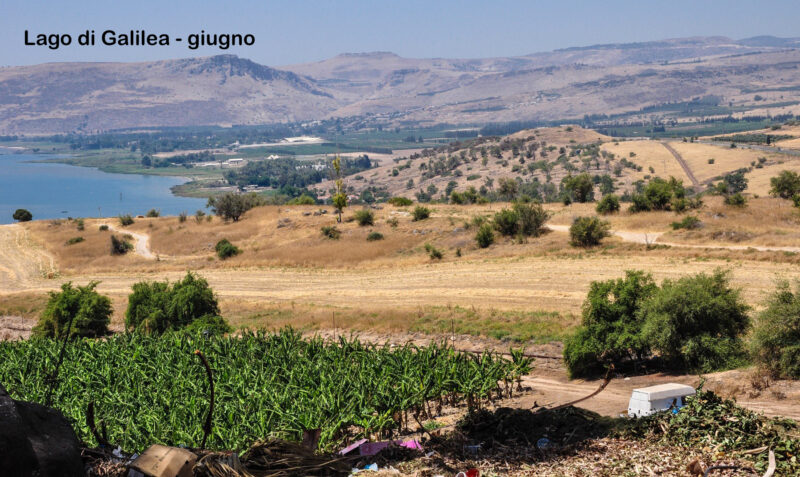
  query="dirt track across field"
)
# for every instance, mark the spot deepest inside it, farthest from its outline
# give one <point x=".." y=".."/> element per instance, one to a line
<point x="23" y="263"/>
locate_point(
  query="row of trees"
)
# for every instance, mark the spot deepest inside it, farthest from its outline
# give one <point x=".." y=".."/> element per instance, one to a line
<point x="153" y="308"/>
<point x="695" y="323"/>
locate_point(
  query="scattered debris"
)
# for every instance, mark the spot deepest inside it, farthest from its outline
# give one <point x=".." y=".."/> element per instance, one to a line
<point x="163" y="461"/>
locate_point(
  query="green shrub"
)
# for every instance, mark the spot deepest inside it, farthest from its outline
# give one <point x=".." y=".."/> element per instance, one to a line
<point x="393" y="222"/>
<point x="199" y="216"/>
<point x="182" y="217"/>
<point x="373" y="236"/>
<point x="153" y="213"/>
<point x="689" y="222"/>
<point x="420" y="213"/>
<point x="785" y="185"/>
<point x="303" y="199"/>
<point x="103" y="228"/>
<point x="225" y="249"/>
<point x="588" y="231"/>
<point x="209" y="325"/>
<point x="156" y="307"/>
<point x="331" y="232"/>
<point x="485" y="236"/>
<point x="696" y="322"/>
<point x="364" y="217"/>
<point x="231" y="205"/>
<point x="120" y="246"/>
<point x="776" y="339"/>
<point x="736" y="200"/>
<point x="22" y="215"/>
<point x="610" y="331"/>
<point x="532" y="218"/>
<point x="506" y="222"/>
<point x="609" y="204"/>
<point x="79" y="224"/>
<point x="658" y="194"/>
<point x="125" y="220"/>
<point x="433" y="252"/>
<point x="90" y="313"/>
<point x="400" y="201"/>
<point x="74" y="240"/>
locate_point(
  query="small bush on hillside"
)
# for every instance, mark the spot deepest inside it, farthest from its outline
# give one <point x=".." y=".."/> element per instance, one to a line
<point x="400" y="201"/>
<point x="506" y="222"/>
<point x="79" y="224"/>
<point x="776" y="340"/>
<point x="364" y="217"/>
<point x="485" y="236"/>
<point x="209" y="325"/>
<point x="689" y="222"/>
<point x="153" y="213"/>
<point x="658" y="194"/>
<point x="532" y="218"/>
<point x="156" y="307"/>
<point x="22" y="215"/>
<point x="199" y="216"/>
<point x="433" y="252"/>
<point x="182" y="217"/>
<point x="125" y="220"/>
<point x="75" y="240"/>
<point x="610" y="331"/>
<point x="420" y="213"/>
<point x="103" y="228"/>
<point x="393" y="222"/>
<point x="609" y="204"/>
<point x="588" y="231"/>
<point x="373" y="236"/>
<point x="736" y="200"/>
<point x="697" y="322"/>
<point x="90" y="313"/>
<point x="120" y="246"/>
<point x="331" y="232"/>
<point x="303" y="199"/>
<point x="225" y="249"/>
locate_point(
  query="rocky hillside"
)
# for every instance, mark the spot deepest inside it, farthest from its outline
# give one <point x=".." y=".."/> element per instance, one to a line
<point x="563" y="84"/>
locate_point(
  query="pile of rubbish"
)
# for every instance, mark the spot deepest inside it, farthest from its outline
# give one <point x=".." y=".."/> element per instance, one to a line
<point x="708" y="421"/>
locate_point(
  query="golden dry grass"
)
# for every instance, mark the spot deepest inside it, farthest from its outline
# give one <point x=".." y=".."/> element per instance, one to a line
<point x="648" y="154"/>
<point x="725" y="159"/>
<point x="760" y="178"/>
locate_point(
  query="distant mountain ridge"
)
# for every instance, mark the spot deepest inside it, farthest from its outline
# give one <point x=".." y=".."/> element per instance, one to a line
<point x="562" y="84"/>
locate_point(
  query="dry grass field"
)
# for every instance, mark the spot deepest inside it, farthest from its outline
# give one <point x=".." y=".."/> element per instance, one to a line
<point x="526" y="291"/>
<point x="725" y="159"/>
<point x="648" y="154"/>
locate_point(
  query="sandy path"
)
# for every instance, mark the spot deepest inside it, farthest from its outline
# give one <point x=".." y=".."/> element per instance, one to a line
<point x="683" y="164"/>
<point x="22" y="262"/>
<point x="142" y="245"/>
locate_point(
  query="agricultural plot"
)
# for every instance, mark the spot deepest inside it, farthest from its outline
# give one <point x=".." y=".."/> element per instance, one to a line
<point x="154" y="390"/>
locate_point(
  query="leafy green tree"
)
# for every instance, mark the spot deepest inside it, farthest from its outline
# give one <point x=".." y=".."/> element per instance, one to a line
<point x="89" y="311"/>
<point x="339" y="197"/>
<point x="609" y="204"/>
<point x="658" y="194"/>
<point x="22" y="215"/>
<point x="785" y="185"/>
<point x="303" y="199"/>
<point x="507" y="188"/>
<point x="580" y="188"/>
<point x="697" y="322"/>
<point x="588" y="231"/>
<point x="156" y="307"/>
<point x="610" y="331"/>
<point x="776" y="338"/>
<point x="732" y="183"/>
<point x="147" y="161"/>
<point x="232" y="206"/>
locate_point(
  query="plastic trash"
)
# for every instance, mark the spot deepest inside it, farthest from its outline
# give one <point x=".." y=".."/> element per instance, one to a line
<point x="544" y="444"/>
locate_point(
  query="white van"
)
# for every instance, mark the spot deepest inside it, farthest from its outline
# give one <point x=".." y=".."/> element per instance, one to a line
<point x="650" y="400"/>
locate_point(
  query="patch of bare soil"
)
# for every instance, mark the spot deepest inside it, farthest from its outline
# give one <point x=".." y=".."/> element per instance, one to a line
<point x="15" y="328"/>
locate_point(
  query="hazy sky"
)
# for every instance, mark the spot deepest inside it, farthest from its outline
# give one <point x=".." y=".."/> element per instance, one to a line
<point x="295" y="31"/>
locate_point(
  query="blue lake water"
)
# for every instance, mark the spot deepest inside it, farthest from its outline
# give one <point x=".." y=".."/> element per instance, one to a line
<point x="59" y="190"/>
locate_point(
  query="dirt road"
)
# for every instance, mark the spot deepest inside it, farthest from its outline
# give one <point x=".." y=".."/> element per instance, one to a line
<point x="684" y="165"/>
<point x="142" y="242"/>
